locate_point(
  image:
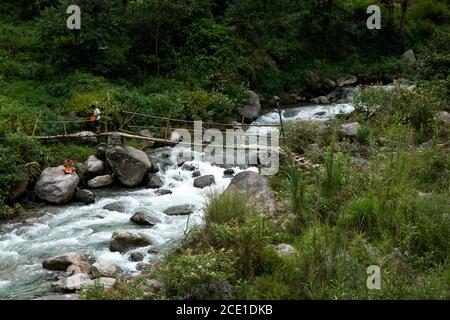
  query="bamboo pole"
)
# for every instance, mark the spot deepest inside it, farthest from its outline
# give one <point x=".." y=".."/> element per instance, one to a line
<point x="131" y="136"/>
<point x="191" y="121"/>
<point x="36" y="124"/>
<point x="62" y="121"/>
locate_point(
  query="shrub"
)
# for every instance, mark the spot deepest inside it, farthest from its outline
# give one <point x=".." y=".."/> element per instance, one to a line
<point x="190" y="275"/>
<point x="400" y="105"/>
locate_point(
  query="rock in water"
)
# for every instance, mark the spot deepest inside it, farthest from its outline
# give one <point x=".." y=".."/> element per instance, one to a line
<point x="204" y="181"/>
<point x="253" y="187"/>
<point x="349" y="130"/>
<point x="85" y="196"/>
<point x="105" y="269"/>
<point x="100" y="181"/>
<point x="76" y="282"/>
<point x="62" y="262"/>
<point x="129" y="165"/>
<point x="136" y="256"/>
<point x="181" y="210"/>
<point x="118" y="206"/>
<point x="252" y="110"/>
<point x="55" y="186"/>
<point x="154" y="181"/>
<point x="228" y="173"/>
<point x="144" y="219"/>
<point x="162" y="192"/>
<point x="122" y="241"/>
<point x="189" y="167"/>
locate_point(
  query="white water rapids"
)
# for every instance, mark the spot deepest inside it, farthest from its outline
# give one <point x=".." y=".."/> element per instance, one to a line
<point x="25" y="244"/>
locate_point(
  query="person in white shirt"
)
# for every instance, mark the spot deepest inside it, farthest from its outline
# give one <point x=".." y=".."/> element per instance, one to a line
<point x="95" y="118"/>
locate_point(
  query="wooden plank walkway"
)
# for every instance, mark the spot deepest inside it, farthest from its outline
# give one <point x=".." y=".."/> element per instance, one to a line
<point x="167" y="132"/>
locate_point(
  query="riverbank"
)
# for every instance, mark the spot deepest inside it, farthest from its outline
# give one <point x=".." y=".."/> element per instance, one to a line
<point x="377" y="195"/>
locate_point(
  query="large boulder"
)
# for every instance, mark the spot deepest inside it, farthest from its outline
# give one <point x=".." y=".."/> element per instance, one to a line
<point x="204" y="181"/>
<point x="92" y="167"/>
<point x="85" y="196"/>
<point x="254" y="189"/>
<point x="62" y="262"/>
<point x="144" y="218"/>
<point x="180" y="210"/>
<point x="123" y="241"/>
<point x="105" y="269"/>
<point x="129" y="165"/>
<point x="252" y="110"/>
<point x="55" y="186"/>
<point x="100" y="152"/>
<point x="349" y="130"/>
<point x="101" y="181"/>
<point x="74" y="283"/>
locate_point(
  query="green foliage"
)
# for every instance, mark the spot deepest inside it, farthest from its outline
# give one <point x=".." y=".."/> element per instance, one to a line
<point x="401" y="105"/>
<point x="16" y="152"/>
<point x="96" y="45"/>
<point x="55" y="154"/>
<point x="190" y="275"/>
<point x="435" y="57"/>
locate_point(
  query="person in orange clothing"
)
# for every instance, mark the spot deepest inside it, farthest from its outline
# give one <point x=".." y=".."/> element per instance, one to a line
<point x="69" y="168"/>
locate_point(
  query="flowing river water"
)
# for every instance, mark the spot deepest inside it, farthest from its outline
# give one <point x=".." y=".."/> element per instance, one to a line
<point x="56" y="230"/>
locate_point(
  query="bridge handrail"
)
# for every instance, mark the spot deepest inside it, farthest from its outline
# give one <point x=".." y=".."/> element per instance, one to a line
<point x="192" y="121"/>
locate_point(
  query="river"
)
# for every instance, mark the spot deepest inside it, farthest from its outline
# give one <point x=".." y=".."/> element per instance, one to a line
<point x="56" y="230"/>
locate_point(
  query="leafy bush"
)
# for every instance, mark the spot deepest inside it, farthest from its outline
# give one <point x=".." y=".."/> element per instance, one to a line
<point x="400" y="105"/>
<point x="191" y="275"/>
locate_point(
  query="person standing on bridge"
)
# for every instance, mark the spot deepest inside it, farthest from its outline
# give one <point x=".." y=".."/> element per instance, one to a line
<point x="95" y="118"/>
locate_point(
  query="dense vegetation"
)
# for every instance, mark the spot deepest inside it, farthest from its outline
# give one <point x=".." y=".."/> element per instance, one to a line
<point x="194" y="59"/>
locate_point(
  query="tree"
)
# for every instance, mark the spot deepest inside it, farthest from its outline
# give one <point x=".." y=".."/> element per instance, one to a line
<point x="404" y="10"/>
<point x="97" y="45"/>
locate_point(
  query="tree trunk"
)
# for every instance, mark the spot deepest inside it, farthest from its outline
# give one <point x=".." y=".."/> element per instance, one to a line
<point x="157" y="47"/>
<point x="405" y="5"/>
